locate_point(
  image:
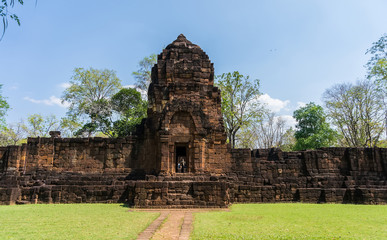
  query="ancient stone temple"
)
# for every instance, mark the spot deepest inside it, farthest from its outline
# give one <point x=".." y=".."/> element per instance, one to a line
<point x="179" y="157"/>
<point x="184" y="130"/>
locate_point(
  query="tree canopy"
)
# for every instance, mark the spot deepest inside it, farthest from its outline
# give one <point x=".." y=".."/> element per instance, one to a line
<point x="239" y="102"/>
<point x="313" y="131"/>
<point x="4" y="106"/>
<point x="143" y="74"/>
<point x="357" y="112"/>
<point x="377" y="71"/>
<point x="5" y="12"/>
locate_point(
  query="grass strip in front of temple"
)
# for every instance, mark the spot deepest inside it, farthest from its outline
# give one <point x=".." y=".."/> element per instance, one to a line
<point x="72" y="221"/>
<point x="293" y="221"/>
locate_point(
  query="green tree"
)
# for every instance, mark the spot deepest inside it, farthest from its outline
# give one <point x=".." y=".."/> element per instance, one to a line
<point x="357" y="112"/>
<point x="4" y="106"/>
<point x="5" y="12"/>
<point x="239" y="103"/>
<point x="69" y="126"/>
<point x="40" y="126"/>
<point x="13" y="134"/>
<point x="143" y="74"/>
<point x="124" y="111"/>
<point x="289" y="141"/>
<point x="312" y="129"/>
<point x="89" y="95"/>
<point x="131" y="108"/>
<point x="377" y="71"/>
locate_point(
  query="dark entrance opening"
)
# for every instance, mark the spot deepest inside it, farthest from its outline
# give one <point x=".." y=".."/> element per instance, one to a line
<point x="181" y="159"/>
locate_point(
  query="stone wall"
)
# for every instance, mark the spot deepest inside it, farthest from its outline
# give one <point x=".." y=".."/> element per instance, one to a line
<point x="335" y="175"/>
<point x="70" y="154"/>
<point x="185" y="125"/>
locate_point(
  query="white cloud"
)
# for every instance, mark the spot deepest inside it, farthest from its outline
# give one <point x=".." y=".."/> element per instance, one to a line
<point x="65" y="85"/>
<point x="50" y="102"/>
<point x="273" y="104"/>
<point x="301" y="104"/>
<point x="290" y="120"/>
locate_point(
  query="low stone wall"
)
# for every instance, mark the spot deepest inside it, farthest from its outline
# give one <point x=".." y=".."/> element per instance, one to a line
<point x="185" y="191"/>
<point x="70" y="154"/>
<point x="334" y="175"/>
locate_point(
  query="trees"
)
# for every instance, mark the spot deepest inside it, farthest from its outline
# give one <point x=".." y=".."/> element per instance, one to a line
<point x="357" y="112"/>
<point x="4" y="106"/>
<point x="123" y="111"/>
<point x="377" y="71"/>
<point x="126" y="109"/>
<point x="69" y="126"/>
<point x="143" y="74"/>
<point x="89" y="95"/>
<point x="270" y="131"/>
<point x="312" y="129"/>
<point x="239" y="105"/>
<point x="266" y="132"/>
<point x="5" y="13"/>
<point x="131" y="108"/>
<point x="40" y="126"/>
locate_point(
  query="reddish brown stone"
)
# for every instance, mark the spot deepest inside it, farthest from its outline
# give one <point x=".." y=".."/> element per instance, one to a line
<point x="185" y="122"/>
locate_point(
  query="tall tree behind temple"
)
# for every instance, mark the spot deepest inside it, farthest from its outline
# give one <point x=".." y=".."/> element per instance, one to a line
<point x="40" y="126"/>
<point x="143" y="74"/>
<point x="313" y="131"/>
<point x="357" y="112"/>
<point x="239" y="102"/>
<point x="377" y="71"/>
<point x="89" y="95"/>
<point x="267" y="132"/>
<point x="4" y="106"/>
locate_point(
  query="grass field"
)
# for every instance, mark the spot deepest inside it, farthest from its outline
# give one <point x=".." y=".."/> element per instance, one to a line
<point x="72" y="221"/>
<point x="293" y="221"/>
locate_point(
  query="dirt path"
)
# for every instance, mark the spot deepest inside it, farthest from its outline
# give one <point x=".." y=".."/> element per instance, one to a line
<point x="171" y="228"/>
<point x="173" y="224"/>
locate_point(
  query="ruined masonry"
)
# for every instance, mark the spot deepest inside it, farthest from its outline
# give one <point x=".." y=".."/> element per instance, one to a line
<point x="178" y="156"/>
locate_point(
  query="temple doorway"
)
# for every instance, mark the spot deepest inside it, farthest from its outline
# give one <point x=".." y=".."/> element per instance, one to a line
<point x="181" y="158"/>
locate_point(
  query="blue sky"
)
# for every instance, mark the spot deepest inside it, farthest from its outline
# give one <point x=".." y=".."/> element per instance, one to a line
<point x="296" y="48"/>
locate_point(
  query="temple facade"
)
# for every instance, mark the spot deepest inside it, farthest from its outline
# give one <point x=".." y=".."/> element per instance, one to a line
<point x="184" y="130"/>
<point x="179" y="156"/>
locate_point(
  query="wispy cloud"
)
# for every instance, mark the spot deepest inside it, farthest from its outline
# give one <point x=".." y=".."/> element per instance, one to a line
<point x="290" y="120"/>
<point x="273" y="104"/>
<point x="65" y="85"/>
<point x="52" y="101"/>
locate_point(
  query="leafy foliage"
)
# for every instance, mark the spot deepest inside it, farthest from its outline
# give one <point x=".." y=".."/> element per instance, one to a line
<point x="69" y="126"/>
<point x="132" y="109"/>
<point x="143" y="74"/>
<point x="40" y="126"/>
<point x="13" y="134"/>
<point x="89" y="95"/>
<point x="239" y="102"/>
<point x="377" y="71"/>
<point x="312" y="129"/>
<point x="267" y="132"/>
<point x="357" y="112"/>
<point x="4" y="106"/>
<point x="123" y="112"/>
<point x="5" y="13"/>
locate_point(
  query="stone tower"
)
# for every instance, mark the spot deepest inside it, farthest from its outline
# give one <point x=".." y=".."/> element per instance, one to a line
<point x="184" y="130"/>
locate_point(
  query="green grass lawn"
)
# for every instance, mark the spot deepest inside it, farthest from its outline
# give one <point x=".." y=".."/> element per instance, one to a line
<point x="72" y="221"/>
<point x="293" y="221"/>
